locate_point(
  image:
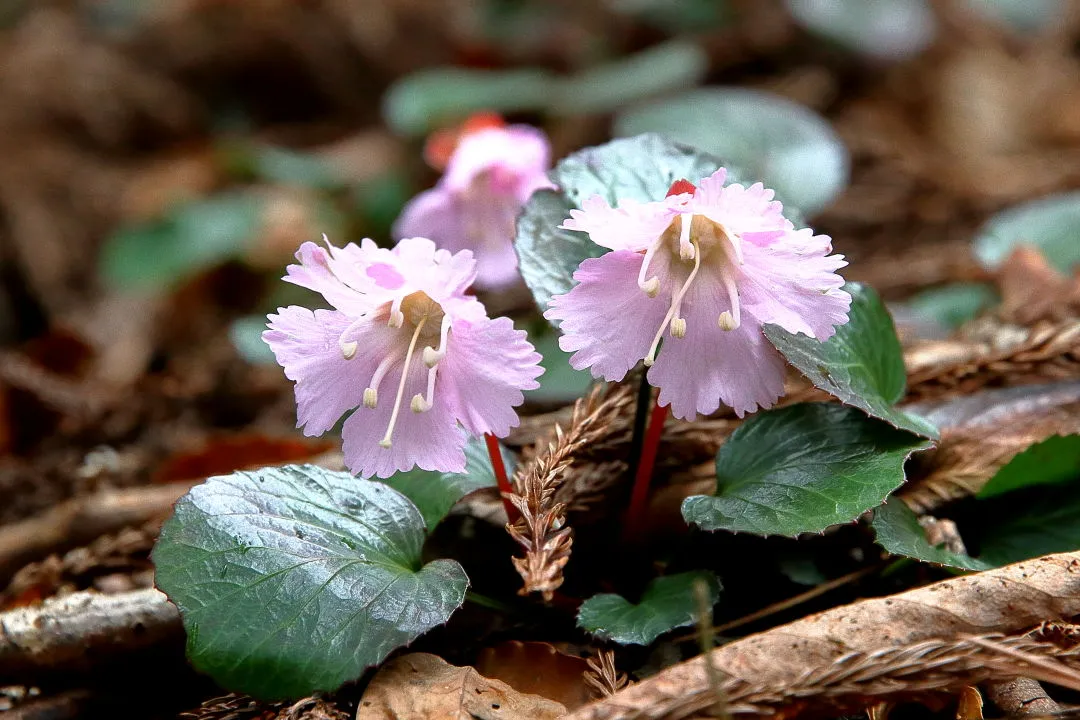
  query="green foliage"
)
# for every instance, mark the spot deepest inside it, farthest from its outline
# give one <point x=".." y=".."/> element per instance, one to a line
<point x="423" y="101"/>
<point x="667" y="603"/>
<point x="246" y="335"/>
<point x="787" y="146"/>
<point x="1028" y="524"/>
<point x="898" y="531"/>
<point x="560" y="382"/>
<point x="190" y="237"/>
<point x="434" y="493"/>
<point x="1053" y="461"/>
<point x="953" y="305"/>
<point x="1051" y="224"/>
<point x="1023" y="15"/>
<point x="889" y="29"/>
<point x="295" y="579"/>
<point x="803" y="468"/>
<point x="862" y="364"/>
<point x="640" y="168"/>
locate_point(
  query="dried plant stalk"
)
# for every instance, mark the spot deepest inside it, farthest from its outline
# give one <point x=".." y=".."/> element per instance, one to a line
<point x="541" y="530"/>
<point x="603" y="677"/>
<point x="916" y="642"/>
<point x="994" y="355"/>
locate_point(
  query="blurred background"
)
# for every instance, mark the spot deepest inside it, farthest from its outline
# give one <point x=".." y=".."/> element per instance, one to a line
<point x="162" y="160"/>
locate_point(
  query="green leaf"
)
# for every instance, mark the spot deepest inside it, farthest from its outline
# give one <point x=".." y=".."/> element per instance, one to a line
<point x="607" y="87"/>
<point x="787" y="146"/>
<point x="192" y="236"/>
<point x="289" y="167"/>
<point x="803" y="468"/>
<point x="667" y="603"/>
<point x="246" y="335"/>
<point x="640" y="168"/>
<point x="691" y="16"/>
<point x="435" y="493"/>
<point x="898" y="531"/>
<point x="1023" y="15"/>
<point x="560" y="382"/>
<point x="295" y="579"/>
<point x="1053" y="461"/>
<point x="889" y="29"/>
<point x="1051" y="224"/>
<point x="1029" y="524"/>
<point x="861" y="364"/>
<point x="953" y="305"/>
<point x="422" y="101"/>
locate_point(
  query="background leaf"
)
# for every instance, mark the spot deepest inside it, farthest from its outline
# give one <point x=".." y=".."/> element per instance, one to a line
<point x="296" y="579"/>
<point x="1053" y="461"/>
<point x="560" y="383"/>
<point x="787" y="146"/>
<point x="667" y="603"/>
<point x="434" y="493"/>
<point x="898" y="531"/>
<point x="190" y="237"/>
<point x="1028" y="523"/>
<point x="803" y="468"/>
<point x="640" y="168"/>
<point x="1051" y="224"/>
<point x="862" y="364"/>
<point x="953" y="305"/>
<point x="889" y="29"/>
<point x="1023" y="15"/>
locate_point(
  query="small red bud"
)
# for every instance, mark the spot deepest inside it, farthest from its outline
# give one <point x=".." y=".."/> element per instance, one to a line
<point x="681" y="186"/>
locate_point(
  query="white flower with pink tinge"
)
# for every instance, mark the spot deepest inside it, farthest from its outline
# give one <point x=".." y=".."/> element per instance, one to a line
<point x="418" y="359"/>
<point x="701" y="270"/>
<point x="490" y="174"/>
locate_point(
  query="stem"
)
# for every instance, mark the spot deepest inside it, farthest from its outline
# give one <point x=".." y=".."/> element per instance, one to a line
<point x="641" y="414"/>
<point x="487" y="602"/>
<point x="505" y="489"/>
<point x="643" y="477"/>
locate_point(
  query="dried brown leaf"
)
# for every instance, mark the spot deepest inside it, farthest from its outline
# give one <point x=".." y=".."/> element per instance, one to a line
<point x="537" y="668"/>
<point x="419" y="686"/>
<point x="917" y="641"/>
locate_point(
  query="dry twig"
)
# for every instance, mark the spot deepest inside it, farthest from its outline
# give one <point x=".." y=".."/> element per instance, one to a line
<point x="899" y="646"/>
<point x="542" y="529"/>
<point x="81" y="630"/>
<point x="603" y="677"/>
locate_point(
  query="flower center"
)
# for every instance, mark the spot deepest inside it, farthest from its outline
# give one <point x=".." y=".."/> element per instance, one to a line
<point x="417" y="316"/>
<point x="693" y="238"/>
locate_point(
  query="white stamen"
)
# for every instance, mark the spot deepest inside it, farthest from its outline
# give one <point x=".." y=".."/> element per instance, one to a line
<point x="348" y="349"/>
<point x="673" y="312"/>
<point x="385" y="442"/>
<point x="652" y="285"/>
<point x="372" y="390"/>
<point x="734" y="318"/>
<point x="432" y="356"/>
<point x="418" y="405"/>
<point x="735" y="242"/>
<point x="687" y="250"/>
<point x="397" y="318"/>
<point x="678" y="327"/>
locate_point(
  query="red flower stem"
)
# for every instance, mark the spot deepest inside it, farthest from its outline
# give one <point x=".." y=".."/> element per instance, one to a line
<point x="642" y="479"/>
<point x="495" y="452"/>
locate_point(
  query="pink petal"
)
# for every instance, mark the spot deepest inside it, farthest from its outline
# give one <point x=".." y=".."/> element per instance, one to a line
<point x="315" y="273"/>
<point x="433" y="214"/>
<point x="708" y="366"/>
<point x="608" y="322"/>
<point x="632" y="226"/>
<point x="797" y="292"/>
<point x="517" y="151"/>
<point x="305" y="343"/>
<point x="487" y="365"/>
<point x="429" y="440"/>
<point x="740" y="209"/>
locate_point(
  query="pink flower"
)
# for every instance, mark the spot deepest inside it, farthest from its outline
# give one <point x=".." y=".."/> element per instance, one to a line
<point x="417" y="358"/>
<point x="701" y="270"/>
<point x="491" y="172"/>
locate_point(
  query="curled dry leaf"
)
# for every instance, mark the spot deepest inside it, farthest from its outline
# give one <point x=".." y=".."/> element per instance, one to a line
<point x="878" y="649"/>
<point x="981" y="433"/>
<point x="538" y="668"/>
<point x="419" y="686"/>
<point x="1034" y="291"/>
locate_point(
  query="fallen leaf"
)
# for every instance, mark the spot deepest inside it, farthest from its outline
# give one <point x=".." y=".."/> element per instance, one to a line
<point x="226" y="454"/>
<point x="420" y="686"/>
<point x="537" y="668"/>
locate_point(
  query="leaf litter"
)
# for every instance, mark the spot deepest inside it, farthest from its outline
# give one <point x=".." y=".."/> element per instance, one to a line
<point x="104" y="395"/>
